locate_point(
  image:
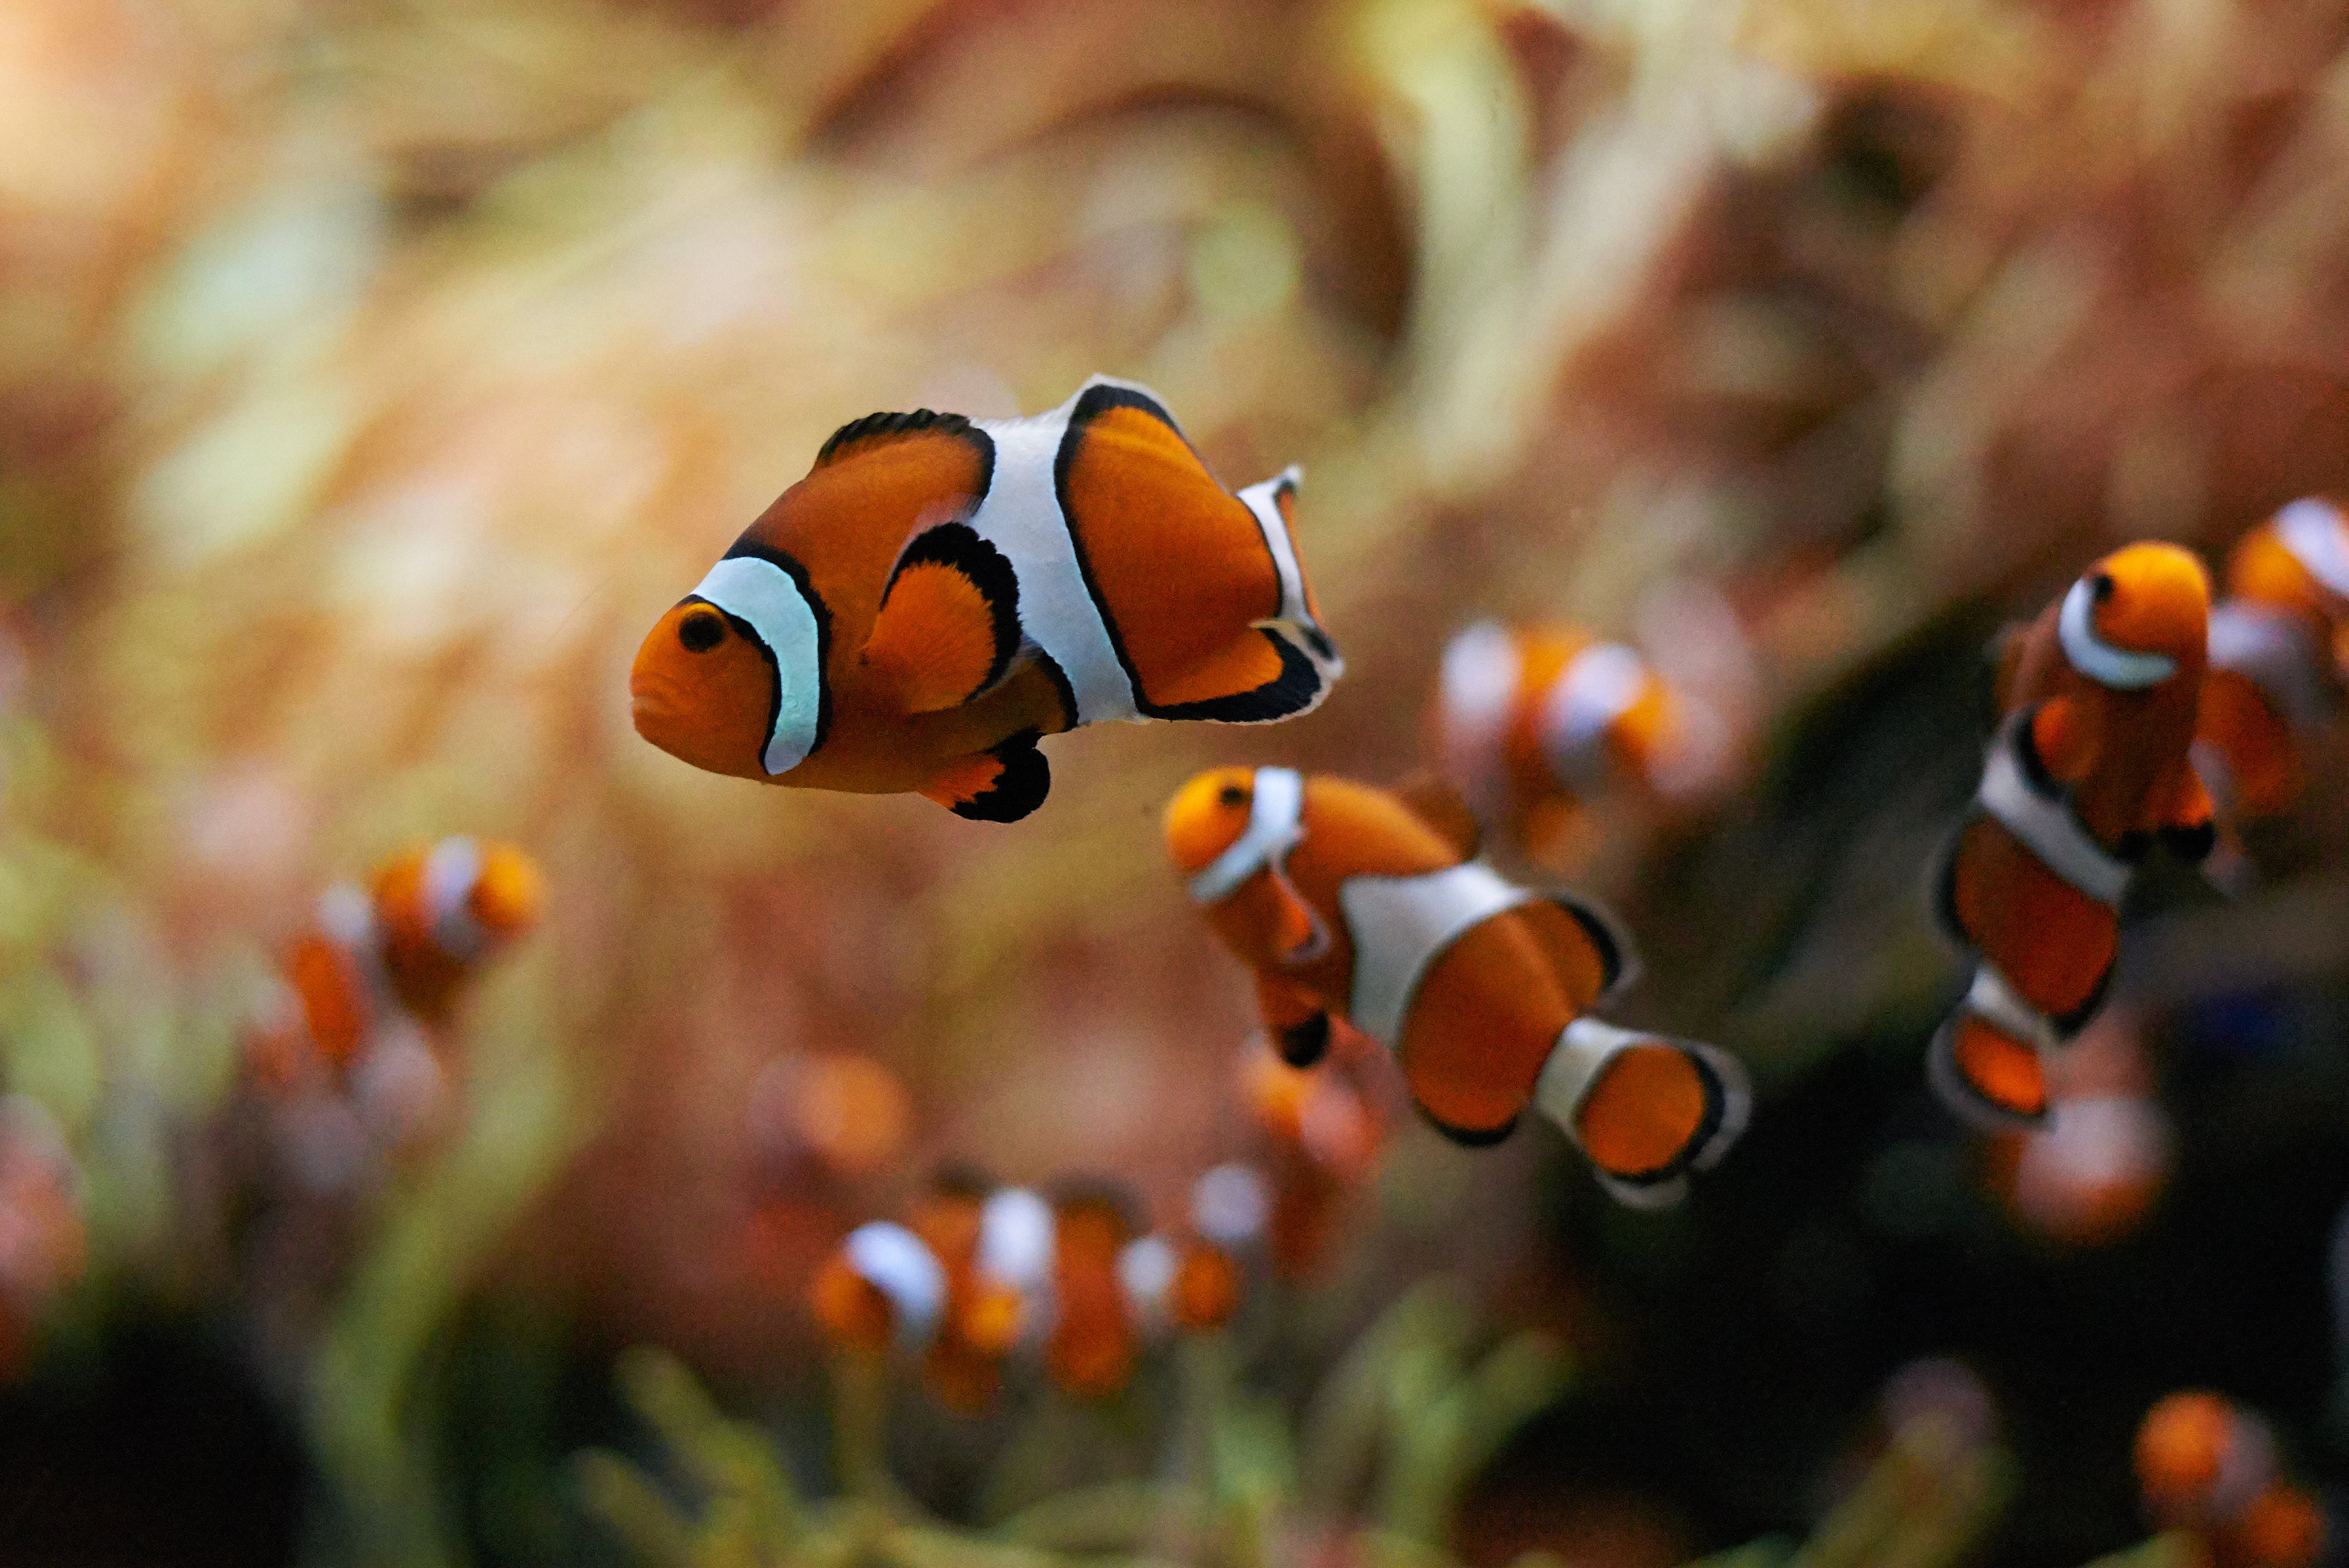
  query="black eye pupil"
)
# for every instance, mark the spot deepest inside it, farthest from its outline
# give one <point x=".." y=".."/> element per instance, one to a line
<point x="1233" y="795"/>
<point x="2101" y="586"/>
<point x="702" y="632"/>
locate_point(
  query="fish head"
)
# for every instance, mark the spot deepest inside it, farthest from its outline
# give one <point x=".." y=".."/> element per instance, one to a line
<point x="2138" y="616"/>
<point x="731" y="679"/>
<point x="1207" y="817"/>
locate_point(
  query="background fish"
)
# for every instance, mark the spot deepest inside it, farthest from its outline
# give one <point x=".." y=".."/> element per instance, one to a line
<point x="2089" y="765"/>
<point x="2278" y="650"/>
<point x="1348" y="903"/>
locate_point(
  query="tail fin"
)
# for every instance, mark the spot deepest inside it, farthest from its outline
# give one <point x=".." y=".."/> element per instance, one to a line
<point x="1647" y="1110"/>
<point x="1985" y="1062"/>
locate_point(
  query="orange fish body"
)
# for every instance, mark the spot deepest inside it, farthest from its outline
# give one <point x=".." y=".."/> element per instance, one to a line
<point x="938" y="594"/>
<point x="940" y="1288"/>
<point x="2279" y="649"/>
<point x="1347" y="903"/>
<point x="1531" y="722"/>
<point x="2089" y="765"/>
<point x="435" y="916"/>
<point x="1095" y="1339"/>
<point x="2210" y="1469"/>
<point x="1322" y="1138"/>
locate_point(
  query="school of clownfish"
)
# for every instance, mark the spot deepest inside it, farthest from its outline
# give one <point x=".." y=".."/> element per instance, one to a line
<point x="940" y="594"/>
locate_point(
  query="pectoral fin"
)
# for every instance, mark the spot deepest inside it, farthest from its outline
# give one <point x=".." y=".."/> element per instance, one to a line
<point x="948" y="625"/>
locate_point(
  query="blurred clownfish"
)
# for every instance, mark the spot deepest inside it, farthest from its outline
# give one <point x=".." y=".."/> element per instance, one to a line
<point x="435" y="917"/>
<point x="940" y="593"/>
<point x="2278" y="651"/>
<point x="1346" y="900"/>
<point x="956" y="1288"/>
<point x="44" y="1241"/>
<point x="2089" y="765"/>
<point x="2210" y="1469"/>
<point x="1114" y="1290"/>
<point x="1323" y="1139"/>
<point x="1531" y="722"/>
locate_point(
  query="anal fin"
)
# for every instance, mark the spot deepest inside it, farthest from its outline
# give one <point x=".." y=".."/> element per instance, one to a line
<point x="1001" y="784"/>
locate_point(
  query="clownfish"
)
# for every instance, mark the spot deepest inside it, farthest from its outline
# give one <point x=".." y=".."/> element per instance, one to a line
<point x="2089" y="765"/>
<point x="956" y="1288"/>
<point x="2210" y="1469"/>
<point x="2279" y="653"/>
<point x="403" y="951"/>
<point x="398" y="954"/>
<point x="1348" y="903"/>
<point x="1114" y="1290"/>
<point x="1531" y="722"/>
<point x="1323" y="1139"/>
<point x="940" y="593"/>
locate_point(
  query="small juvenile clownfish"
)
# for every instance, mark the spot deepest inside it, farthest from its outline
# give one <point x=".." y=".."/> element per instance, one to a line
<point x="957" y="1287"/>
<point x="2279" y="652"/>
<point x="1348" y="903"/>
<point x="1531" y="722"/>
<point x="1114" y="1290"/>
<point x="2088" y="766"/>
<point x="2210" y="1469"/>
<point x="406" y="950"/>
<point x="940" y="593"/>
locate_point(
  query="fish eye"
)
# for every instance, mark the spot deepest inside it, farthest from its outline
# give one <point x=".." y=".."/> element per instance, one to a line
<point x="2100" y="586"/>
<point x="1232" y="795"/>
<point x="701" y="630"/>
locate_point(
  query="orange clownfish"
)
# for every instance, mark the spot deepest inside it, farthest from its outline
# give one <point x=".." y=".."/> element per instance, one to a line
<point x="955" y="1288"/>
<point x="940" y="593"/>
<point x="1529" y="722"/>
<point x="2279" y="653"/>
<point x="1347" y="901"/>
<point x="406" y="950"/>
<point x="2089" y="765"/>
<point x="2210" y="1469"/>
<point x="1324" y="1140"/>
<point x="1114" y="1290"/>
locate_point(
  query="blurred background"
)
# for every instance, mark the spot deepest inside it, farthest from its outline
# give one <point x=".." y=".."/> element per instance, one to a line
<point x="373" y="373"/>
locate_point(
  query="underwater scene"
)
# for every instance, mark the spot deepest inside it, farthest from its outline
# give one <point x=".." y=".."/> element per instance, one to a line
<point x="1214" y="784"/>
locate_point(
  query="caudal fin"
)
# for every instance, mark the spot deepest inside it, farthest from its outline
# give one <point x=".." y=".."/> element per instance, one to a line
<point x="1989" y="1072"/>
<point x="1647" y="1110"/>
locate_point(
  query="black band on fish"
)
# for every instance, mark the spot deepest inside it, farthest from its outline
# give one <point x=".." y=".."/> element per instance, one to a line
<point x="1302" y="1045"/>
<point x="1466" y="1136"/>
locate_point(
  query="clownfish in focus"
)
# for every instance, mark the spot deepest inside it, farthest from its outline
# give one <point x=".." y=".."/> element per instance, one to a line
<point x="2279" y="655"/>
<point x="2088" y="768"/>
<point x="2210" y="1469"/>
<point x="940" y="593"/>
<point x="1347" y="901"/>
<point x="1530" y="723"/>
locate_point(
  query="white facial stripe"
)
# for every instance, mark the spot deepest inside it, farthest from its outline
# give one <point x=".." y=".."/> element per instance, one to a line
<point x="1275" y="825"/>
<point x="892" y="1260"/>
<point x="450" y="871"/>
<point x="763" y="595"/>
<point x="2122" y="668"/>
<point x="2318" y="537"/>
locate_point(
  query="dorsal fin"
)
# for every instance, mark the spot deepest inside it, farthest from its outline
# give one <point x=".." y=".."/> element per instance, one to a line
<point x="1437" y="804"/>
<point x="887" y="427"/>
